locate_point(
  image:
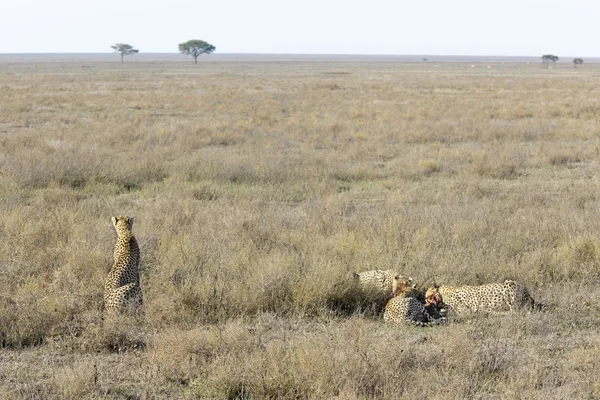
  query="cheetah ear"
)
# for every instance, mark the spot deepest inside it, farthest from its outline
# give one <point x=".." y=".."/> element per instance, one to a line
<point x="435" y="285"/>
<point x="114" y="221"/>
<point x="355" y="275"/>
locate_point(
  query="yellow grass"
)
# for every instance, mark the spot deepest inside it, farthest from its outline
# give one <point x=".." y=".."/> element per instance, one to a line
<point x="258" y="188"/>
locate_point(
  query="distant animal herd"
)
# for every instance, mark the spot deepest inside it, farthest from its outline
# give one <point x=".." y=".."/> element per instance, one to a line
<point x="407" y="304"/>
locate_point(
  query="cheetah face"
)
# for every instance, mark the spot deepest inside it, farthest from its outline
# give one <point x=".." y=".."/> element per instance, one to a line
<point x="121" y="222"/>
<point x="401" y="285"/>
<point x="433" y="296"/>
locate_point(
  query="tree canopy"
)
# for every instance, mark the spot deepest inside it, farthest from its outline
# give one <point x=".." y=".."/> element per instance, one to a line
<point x="577" y="61"/>
<point x="195" y="48"/>
<point x="548" y="58"/>
<point x="124" y="49"/>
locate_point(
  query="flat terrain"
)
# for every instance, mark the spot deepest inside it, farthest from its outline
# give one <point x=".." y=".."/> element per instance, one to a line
<point x="258" y="187"/>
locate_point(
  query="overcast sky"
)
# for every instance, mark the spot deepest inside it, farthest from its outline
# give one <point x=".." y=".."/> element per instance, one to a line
<point x="443" y="27"/>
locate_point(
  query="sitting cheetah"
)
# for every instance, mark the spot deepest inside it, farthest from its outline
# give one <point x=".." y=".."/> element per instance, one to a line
<point x="405" y="307"/>
<point x="492" y="297"/>
<point x="380" y="280"/>
<point x="122" y="287"/>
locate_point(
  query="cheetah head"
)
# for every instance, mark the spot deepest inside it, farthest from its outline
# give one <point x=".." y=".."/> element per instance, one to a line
<point x="401" y="285"/>
<point x="121" y="223"/>
<point x="433" y="296"/>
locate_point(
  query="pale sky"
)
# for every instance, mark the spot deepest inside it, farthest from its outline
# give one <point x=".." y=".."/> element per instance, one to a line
<point x="433" y="27"/>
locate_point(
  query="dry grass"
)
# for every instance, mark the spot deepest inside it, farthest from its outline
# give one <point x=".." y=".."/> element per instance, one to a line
<point x="257" y="189"/>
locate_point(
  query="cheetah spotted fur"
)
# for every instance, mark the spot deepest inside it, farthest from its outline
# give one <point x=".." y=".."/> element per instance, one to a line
<point x="405" y="307"/>
<point x="379" y="280"/>
<point x="492" y="297"/>
<point x="122" y="289"/>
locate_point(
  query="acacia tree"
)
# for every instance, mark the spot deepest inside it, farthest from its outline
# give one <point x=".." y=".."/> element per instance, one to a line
<point x="577" y="61"/>
<point x="195" y="48"/>
<point x="547" y="58"/>
<point x="124" y="49"/>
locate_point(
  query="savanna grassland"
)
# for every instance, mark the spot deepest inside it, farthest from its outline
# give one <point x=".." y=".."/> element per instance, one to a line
<point x="258" y="188"/>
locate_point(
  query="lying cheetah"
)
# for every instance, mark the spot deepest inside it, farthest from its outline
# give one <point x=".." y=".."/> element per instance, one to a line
<point x="492" y="297"/>
<point x="122" y="287"/>
<point x="380" y="280"/>
<point x="405" y="307"/>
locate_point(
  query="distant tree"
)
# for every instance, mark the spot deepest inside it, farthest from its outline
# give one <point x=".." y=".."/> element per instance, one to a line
<point x="425" y="60"/>
<point x="195" y="48"/>
<point x="577" y="61"/>
<point x="124" y="49"/>
<point x="549" y="58"/>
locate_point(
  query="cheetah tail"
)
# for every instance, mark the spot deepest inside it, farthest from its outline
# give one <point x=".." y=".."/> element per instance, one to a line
<point x="531" y="303"/>
<point x="537" y="306"/>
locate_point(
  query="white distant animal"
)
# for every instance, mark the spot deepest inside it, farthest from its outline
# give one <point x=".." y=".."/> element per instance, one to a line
<point x="472" y="66"/>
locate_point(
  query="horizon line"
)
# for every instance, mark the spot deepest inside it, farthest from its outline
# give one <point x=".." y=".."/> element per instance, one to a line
<point x="301" y="54"/>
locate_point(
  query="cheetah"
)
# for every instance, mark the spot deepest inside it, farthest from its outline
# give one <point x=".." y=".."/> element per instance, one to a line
<point x="492" y="297"/>
<point x="379" y="280"/>
<point x="122" y="287"/>
<point x="405" y="306"/>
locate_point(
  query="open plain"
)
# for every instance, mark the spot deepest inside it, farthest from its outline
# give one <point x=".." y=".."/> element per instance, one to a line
<point x="258" y="187"/>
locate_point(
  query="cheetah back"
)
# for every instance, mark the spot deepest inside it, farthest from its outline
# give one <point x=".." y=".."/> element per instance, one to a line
<point x="379" y="280"/>
<point x="492" y="297"/>
<point x="122" y="286"/>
